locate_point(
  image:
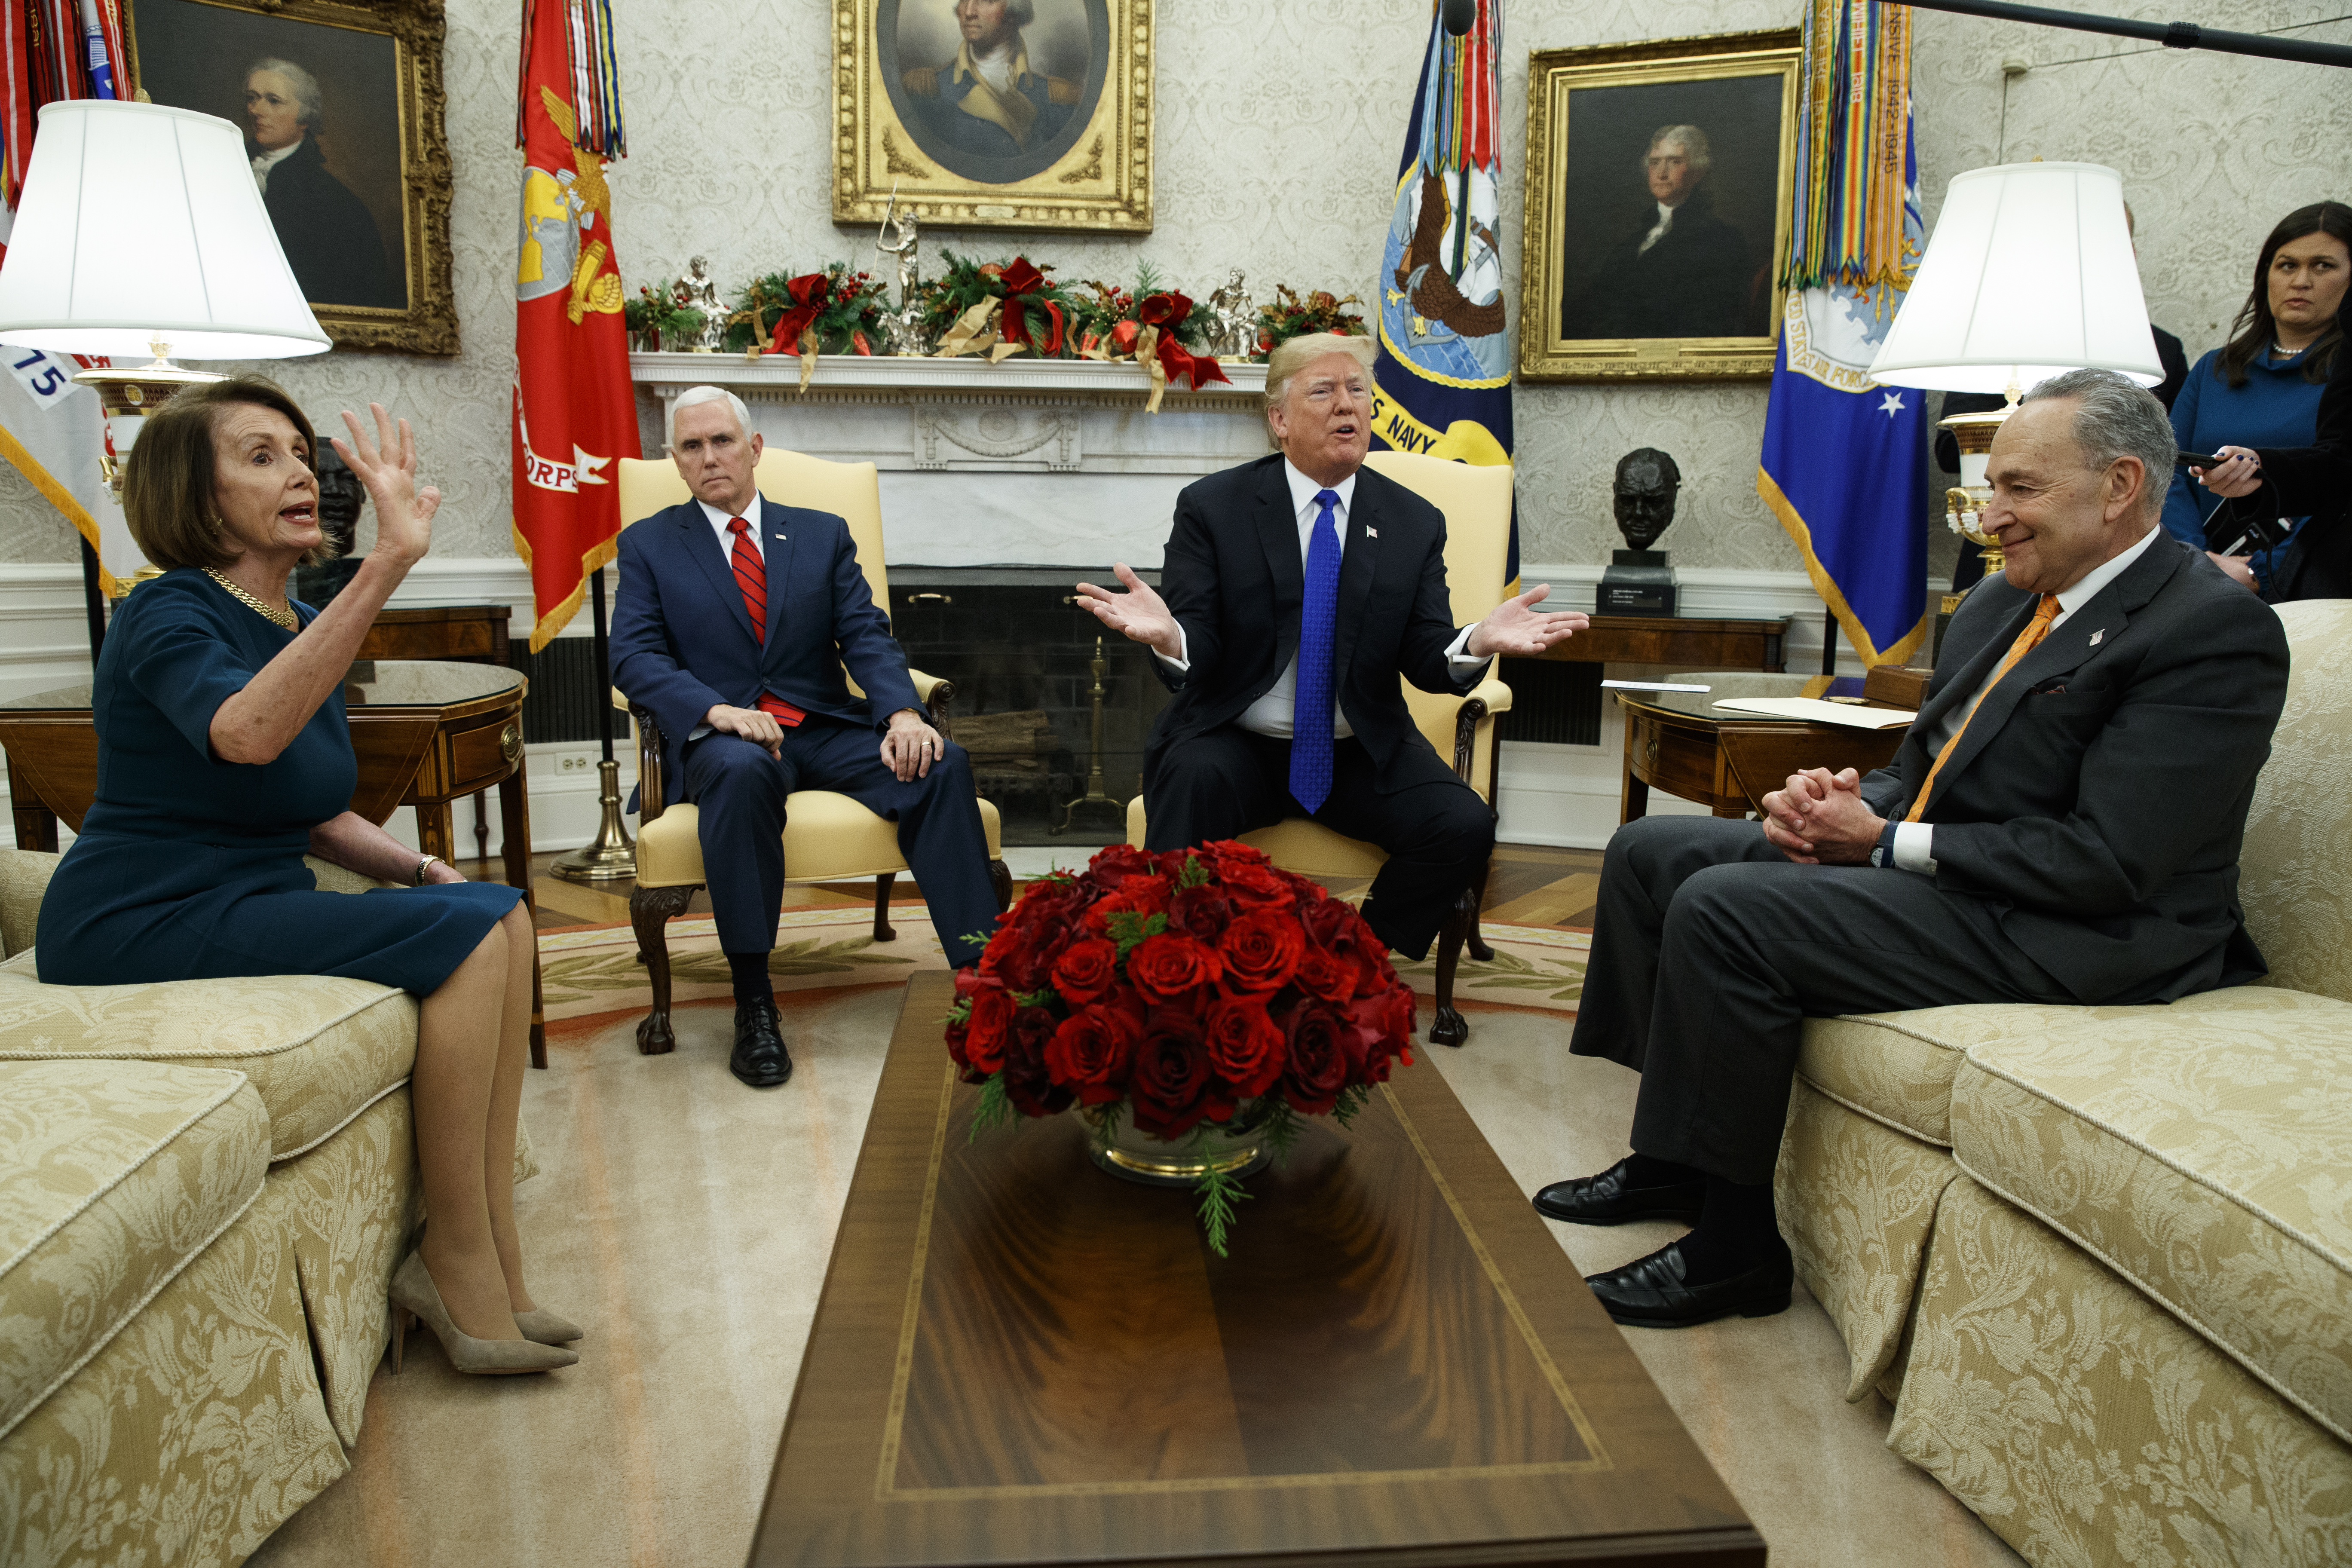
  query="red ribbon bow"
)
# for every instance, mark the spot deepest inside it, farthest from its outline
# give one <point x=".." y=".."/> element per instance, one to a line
<point x="1167" y="311"/>
<point x="811" y="292"/>
<point x="1021" y="279"/>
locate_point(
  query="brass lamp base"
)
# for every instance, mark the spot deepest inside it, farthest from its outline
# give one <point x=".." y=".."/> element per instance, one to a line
<point x="609" y="857"/>
<point x="128" y="395"/>
<point x="1965" y="502"/>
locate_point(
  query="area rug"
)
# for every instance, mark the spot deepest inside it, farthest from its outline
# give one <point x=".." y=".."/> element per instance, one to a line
<point x="594" y="970"/>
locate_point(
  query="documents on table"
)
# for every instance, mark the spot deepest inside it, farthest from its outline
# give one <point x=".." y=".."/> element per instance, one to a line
<point x="1819" y="713"/>
<point x="1651" y="686"/>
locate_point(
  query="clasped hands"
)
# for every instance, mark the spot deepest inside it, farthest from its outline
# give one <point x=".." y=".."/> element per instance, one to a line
<point x="909" y="746"/>
<point x="1514" y="626"/>
<point x="1820" y="819"/>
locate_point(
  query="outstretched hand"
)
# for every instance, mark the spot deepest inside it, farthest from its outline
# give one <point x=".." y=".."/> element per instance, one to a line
<point x="386" y="465"/>
<point x="1517" y="629"/>
<point x="1139" y="613"/>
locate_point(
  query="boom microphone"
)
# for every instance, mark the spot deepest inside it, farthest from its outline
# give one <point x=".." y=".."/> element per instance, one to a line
<point x="1459" y="15"/>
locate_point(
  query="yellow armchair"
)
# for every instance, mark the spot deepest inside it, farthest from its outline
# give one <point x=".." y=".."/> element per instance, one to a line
<point x="829" y="837"/>
<point x="1477" y="501"/>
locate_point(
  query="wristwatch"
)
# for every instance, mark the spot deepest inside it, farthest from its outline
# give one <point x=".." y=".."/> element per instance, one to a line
<point x="421" y="866"/>
<point x="1882" y="852"/>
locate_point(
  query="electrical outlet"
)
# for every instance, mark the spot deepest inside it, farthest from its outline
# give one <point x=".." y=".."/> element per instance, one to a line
<point x="576" y="762"/>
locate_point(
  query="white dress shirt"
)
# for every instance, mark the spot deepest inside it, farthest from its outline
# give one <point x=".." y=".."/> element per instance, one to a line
<point x="269" y="161"/>
<point x="720" y="520"/>
<point x="1915" y="841"/>
<point x="1271" y="714"/>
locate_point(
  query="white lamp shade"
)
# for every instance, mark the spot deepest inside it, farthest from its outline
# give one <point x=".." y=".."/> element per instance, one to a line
<point x="2030" y="273"/>
<point x="138" y="224"/>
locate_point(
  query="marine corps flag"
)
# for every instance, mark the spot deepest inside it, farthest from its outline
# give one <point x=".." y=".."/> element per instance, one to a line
<point x="1844" y="459"/>
<point x="1441" y="380"/>
<point x="574" y="411"/>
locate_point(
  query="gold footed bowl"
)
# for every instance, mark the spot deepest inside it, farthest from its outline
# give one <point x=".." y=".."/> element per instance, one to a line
<point x="1236" y="1149"/>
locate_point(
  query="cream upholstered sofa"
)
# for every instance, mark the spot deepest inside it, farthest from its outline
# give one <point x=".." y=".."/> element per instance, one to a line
<point x="2100" y="1258"/>
<point x="205" y="1187"/>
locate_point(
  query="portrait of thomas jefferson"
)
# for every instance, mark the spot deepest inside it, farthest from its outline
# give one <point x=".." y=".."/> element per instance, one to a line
<point x="998" y="102"/>
<point x="1680" y="271"/>
<point x="329" y="237"/>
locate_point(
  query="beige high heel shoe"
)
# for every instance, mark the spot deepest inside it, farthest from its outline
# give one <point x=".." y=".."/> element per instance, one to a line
<point x="545" y="1328"/>
<point x="414" y="1296"/>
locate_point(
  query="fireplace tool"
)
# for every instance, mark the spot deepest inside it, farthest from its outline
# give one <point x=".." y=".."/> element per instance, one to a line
<point x="1096" y="795"/>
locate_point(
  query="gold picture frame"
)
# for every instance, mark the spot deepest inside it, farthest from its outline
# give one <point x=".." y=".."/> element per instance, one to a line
<point x="1609" y="289"/>
<point x="1064" y="144"/>
<point x="370" y="158"/>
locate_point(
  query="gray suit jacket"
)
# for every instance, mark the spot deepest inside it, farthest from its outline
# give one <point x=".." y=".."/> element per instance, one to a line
<point x="2098" y="799"/>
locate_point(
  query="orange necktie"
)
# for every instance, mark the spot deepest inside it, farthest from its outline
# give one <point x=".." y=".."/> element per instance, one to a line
<point x="2035" y="630"/>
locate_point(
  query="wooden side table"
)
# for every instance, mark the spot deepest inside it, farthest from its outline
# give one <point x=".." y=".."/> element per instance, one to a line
<point x="424" y="734"/>
<point x="1684" y="640"/>
<point x="468" y="633"/>
<point x="1679" y="742"/>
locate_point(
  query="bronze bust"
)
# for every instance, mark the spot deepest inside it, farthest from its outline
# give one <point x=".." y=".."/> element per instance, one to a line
<point x="1647" y="482"/>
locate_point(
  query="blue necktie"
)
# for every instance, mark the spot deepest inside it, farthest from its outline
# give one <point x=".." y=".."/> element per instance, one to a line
<point x="1311" y="713"/>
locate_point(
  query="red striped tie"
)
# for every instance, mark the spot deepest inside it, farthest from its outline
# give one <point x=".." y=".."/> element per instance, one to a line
<point x="751" y="577"/>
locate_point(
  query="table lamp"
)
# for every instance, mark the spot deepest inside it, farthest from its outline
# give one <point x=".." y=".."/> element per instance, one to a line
<point x="2030" y="273"/>
<point x="140" y="230"/>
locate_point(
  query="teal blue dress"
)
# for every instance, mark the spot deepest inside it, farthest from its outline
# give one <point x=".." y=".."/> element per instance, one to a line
<point x="189" y="868"/>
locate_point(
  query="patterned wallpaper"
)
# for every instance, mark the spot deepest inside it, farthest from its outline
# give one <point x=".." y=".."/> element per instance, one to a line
<point x="1276" y="143"/>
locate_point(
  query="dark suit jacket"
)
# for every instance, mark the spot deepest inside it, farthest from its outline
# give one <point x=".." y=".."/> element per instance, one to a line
<point x="2315" y="482"/>
<point x="329" y="234"/>
<point x="1234" y="581"/>
<point x="682" y="640"/>
<point x="2097" y="800"/>
<point x="1694" y="283"/>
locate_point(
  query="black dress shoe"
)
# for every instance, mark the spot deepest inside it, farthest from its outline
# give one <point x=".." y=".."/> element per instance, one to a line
<point x="1613" y="1198"/>
<point x="1649" y="1292"/>
<point x="760" y="1059"/>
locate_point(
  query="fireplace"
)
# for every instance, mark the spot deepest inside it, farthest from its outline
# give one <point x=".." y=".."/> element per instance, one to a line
<point x="1023" y="661"/>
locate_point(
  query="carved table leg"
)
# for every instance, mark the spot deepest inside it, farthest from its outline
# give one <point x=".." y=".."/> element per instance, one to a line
<point x="1473" y="939"/>
<point x="649" y="911"/>
<point x="882" y="931"/>
<point x="1448" y="1027"/>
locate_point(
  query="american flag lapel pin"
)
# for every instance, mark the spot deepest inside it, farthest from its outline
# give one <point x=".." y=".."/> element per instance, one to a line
<point x="1370" y="533"/>
<point x="2097" y="634"/>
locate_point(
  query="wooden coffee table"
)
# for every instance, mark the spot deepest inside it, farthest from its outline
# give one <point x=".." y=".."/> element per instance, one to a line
<point x="1020" y="1359"/>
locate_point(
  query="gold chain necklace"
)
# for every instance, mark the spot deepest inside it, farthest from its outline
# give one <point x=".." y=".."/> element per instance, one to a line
<point x="284" y="618"/>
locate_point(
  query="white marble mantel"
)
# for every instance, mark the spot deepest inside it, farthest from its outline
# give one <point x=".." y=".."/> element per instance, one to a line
<point x="1048" y="463"/>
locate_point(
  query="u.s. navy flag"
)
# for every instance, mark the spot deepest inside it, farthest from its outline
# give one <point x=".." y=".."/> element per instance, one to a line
<point x="1844" y="459"/>
<point x="1442" y="382"/>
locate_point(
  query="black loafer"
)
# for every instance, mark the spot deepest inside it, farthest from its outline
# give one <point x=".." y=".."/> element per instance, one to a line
<point x="760" y="1059"/>
<point x="1612" y="1198"/>
<point x="1649" y="1292"/>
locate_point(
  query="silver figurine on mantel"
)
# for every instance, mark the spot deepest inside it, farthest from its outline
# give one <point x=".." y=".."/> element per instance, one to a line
<point x="1233" y="319"/>
<point x="699" y="291"/>
<point x="903" y="329"/>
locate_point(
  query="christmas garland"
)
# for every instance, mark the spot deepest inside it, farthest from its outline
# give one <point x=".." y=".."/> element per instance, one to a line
<point x="837" y="310"/>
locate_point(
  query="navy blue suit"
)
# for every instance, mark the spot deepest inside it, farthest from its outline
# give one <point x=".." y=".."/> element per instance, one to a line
<point x="683" y="644"/>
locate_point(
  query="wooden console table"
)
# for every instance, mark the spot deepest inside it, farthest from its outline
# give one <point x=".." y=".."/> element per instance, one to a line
<point x="1020" y="1359"/>
<point x="423" y="732"/>
<point x="473" y="634"/>
<point x="1679" y="742"/>
<point x="1683" y="641"/>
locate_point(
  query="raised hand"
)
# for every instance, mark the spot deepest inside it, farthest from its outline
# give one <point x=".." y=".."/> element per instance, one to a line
<point x="1139" y="613"/>
<point x="386" y="465"/>
<point x="1518" y="628"/>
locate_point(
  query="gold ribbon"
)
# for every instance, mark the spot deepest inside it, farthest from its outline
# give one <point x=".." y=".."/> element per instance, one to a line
<point x="974" y="329"/>
<point x="1147" y="345"/>
<point x="807" y="346"/>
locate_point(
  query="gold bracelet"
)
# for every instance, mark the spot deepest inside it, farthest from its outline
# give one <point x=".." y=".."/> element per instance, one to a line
<point x="421" y="866"/>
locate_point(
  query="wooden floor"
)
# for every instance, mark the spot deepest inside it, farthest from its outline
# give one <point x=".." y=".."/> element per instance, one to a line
<point x="1528" y="884"/>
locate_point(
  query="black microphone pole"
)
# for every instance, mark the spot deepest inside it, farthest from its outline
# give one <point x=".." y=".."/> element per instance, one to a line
<point x="2171" y="34"/>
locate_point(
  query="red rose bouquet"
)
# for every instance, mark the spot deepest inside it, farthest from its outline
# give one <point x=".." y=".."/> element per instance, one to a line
<point x="1200" y="995"/>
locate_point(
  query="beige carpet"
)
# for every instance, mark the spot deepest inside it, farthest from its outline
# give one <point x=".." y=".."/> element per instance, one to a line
<point x="594" y="970"/>
<point x="688" y="1220"/>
